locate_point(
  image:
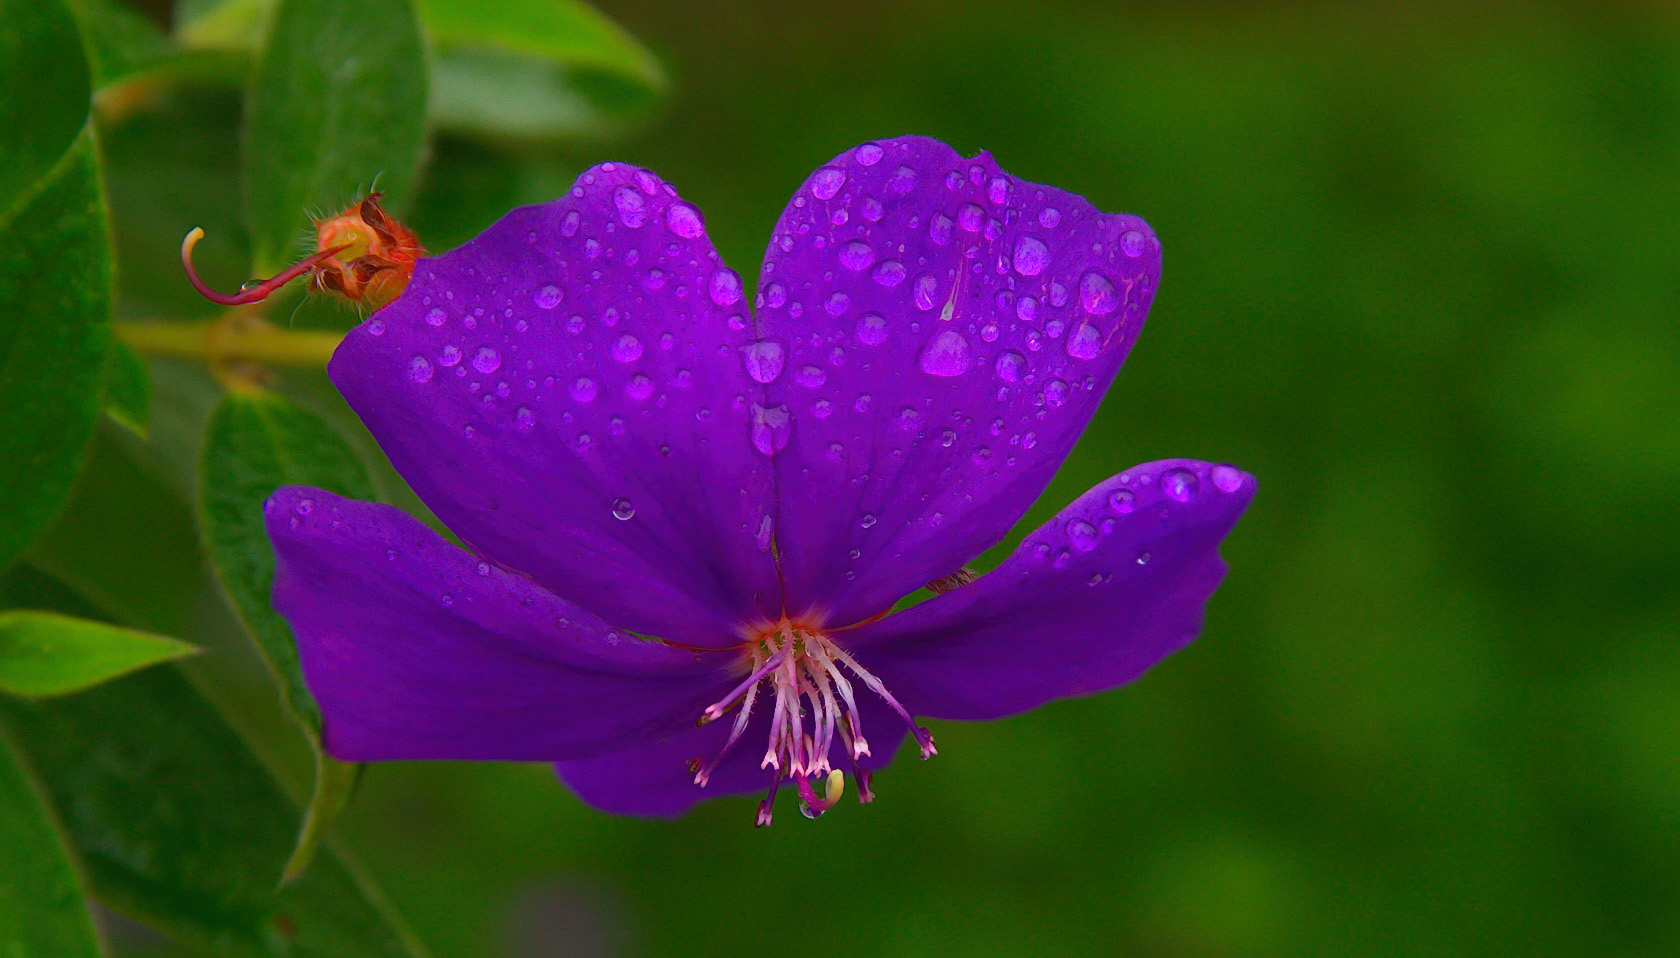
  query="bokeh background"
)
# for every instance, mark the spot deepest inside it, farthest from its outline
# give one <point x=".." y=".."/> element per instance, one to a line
<point x="1420" y="279"/>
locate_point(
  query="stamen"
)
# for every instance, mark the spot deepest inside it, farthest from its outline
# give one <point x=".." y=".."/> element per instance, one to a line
<point x="704" y="775"/>
<point x="251" y="292"/>
<point x="924" y="738"/>
<point x="717" y="709"/>
<point x="812" y="806"/>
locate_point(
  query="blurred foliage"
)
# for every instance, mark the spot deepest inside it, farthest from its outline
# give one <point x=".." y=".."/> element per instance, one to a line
<point x="1435" y="707"/>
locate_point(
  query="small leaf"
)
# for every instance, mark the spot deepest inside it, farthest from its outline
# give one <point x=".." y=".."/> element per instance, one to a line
<point x="180" y="826"/>
<point x="42" y="912"/>
<point x="254" y="444"/>
<point x="44" y="653"/>
<point x="55" y="309"/>
<point x="128" y="388"/>
<point x="44" y="95"/>
<point x="339" y="99"/>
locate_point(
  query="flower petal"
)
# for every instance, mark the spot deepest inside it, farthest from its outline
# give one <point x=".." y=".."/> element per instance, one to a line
<point x="657" y="780"/>
<point x="416" y="649"/>
<point x="566" y="393"/>
<point x="945" y="331"/>
<point x="1092" y="599"/>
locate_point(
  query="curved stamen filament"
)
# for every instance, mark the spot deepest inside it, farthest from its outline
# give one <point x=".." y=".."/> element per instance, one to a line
<point x="804" y="670"/>
<point x="253" y="292"/>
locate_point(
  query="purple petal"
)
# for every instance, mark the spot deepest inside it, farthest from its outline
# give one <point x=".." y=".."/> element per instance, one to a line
<point x="946" y="332"/>
<point x="1092" y="599"/>
<point x="657" y="780"/>
<point x="416" y="649"/>
<point x="566" y="392"/>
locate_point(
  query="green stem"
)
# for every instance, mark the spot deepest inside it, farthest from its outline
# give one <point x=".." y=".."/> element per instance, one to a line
<point x="224" y="341"/>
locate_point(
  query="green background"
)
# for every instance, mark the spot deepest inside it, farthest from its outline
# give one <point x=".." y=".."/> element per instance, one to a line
<point x="1420" y="279"/>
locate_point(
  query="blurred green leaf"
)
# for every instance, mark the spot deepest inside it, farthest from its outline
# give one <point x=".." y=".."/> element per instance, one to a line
<point x="180" y="826"/>
<point x="254" y="444"/>
<point x="45" y="653"/>
<point x="339" y="99"/>
<point x="44" y="96"/>
<point x="120" y="40"/>
<point x="562" y="31"/>
<point x="128" y="388"/>
<point x="42" y="912"/>
<point x="55" y="307"/>
<point x="491" y="94"/>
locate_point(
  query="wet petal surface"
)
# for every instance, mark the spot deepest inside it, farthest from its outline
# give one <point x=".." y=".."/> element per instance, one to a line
<point x="567" y="393"/>
<point x="417" y="649"/>
<point x="1115" y="583"/>
<point x="943" y="332"/>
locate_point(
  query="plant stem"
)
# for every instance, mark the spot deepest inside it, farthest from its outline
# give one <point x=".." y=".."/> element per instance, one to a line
<point x="230" y="341"/>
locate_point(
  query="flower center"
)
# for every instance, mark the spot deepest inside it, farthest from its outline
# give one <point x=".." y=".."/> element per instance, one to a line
<point x="801" y="675"/>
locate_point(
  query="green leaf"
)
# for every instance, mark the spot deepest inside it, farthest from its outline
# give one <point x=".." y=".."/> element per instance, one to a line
<point x="491" y="95"/>
<point x="339" y="99"/>
<point x="128" y="388"/>
<point x="564" y="32"/>
<point x="44" y="94"/>
<point x="42" y="912"/>
<point x="180" y="826"/>
<point x="120" y="40"/>
<point x="55" y="310"/>
<point x="45" y="653"/>
<point x="255" y="443"/>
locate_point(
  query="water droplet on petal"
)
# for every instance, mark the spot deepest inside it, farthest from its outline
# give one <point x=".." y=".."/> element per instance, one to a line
<point x="639" y="387"/>
<point x="764" y="360"/>
<point x="623" y="510"/>
<point x="1122" y="501"/>
<point x="548" y="297"/>
<point x="376" y="327"/>
<point x="925" y="291"/>
<point x="946" y="354"/>
<point x="1180" y="484"/>
<point x="1085" y="343"/>
<point x="1010" y="365"/>
<point x="889" y="273"/>
<point x="1082" y="534"/>
<point x="435" y="316"/>
<point x="1049" y="217"/>
<point x="868" y="521"/>
<point x="810" y="377"/>
<point x="524" y="420"/>
<point x="870" y="154"/>
<point x="771" y="428"/>
<point x="998" y="190"/>
<point x="487" y="360"/>
<point x="627" y="348"/>
<point x="1132" y="243"/>
<point x="1227" y="478"/>
<point x="857" y="255"/>
<point x="1031" y="256"/>
<point x="871" y="329"/>
<point x="684" y="220"/>
<point x="1097" y="294"/>
<point x="420" y="369"/>
<point x="632" y="211"/>
<point x="726" y="287"/>
<point x="826" y="182"/>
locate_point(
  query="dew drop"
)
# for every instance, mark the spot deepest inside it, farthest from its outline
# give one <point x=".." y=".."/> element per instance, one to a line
<point x="871" y="329"/>
<point x="1056" y="393"/>
<point x="1180" y="483"/>
<point x="970" y="217"/>
<point x="925" y="291"/>
<point x="524" y="420"/>
<point x="1085" y="343"/>
<point x="826" y="182"/>
<point x="998" y="190"/>
<point x="1010" y="365"/>
<point x="837" y="303"/>
<point x="1122" y="501"/>
<point x="487" y="360"/>
<point x="449" y="356"/>
<point x="627" y="349"/>
<point x="623" y="510"/>
<point x="764" y="360"/>
<point x="939" y="229"/>
<point x="870" y="154"/>
<point x="376" y="327"/>
<point x="1082" y="535"/>
<point x="569" y="223"/>
<point x="725" y="287"/>
<point x="684" y="220"/>
<point x="435" y="316"/>
<point x="868" y="521"/>
<point x="1049" y="217"/>
<point x="632" y="209"/>
<point x="639" y="387"/>
<point x="1132" y="243"/>
<point x="420" y="369"/>
<point x="946" y="354"/>
<point x="1096" y="293"/>
<point x="1227" y="478"/>
<point x="548" y="297"/>
<point x="771" y="428"/>
<point x="889" y="273"/>
<point x="1031" y="256"/>
<point x="857" y="255"/>
<point x="810" y="377"/>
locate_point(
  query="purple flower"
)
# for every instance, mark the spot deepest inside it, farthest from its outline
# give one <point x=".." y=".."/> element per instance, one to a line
<point x="686" y="521"/>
